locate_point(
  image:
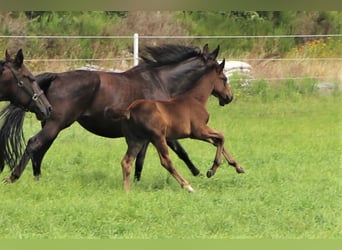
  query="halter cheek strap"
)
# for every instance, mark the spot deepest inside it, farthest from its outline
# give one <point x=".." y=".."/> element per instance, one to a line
<point x="20" y="83"/>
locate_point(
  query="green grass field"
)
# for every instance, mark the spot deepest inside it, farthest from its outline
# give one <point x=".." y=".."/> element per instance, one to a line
<point x="290" y="147"/>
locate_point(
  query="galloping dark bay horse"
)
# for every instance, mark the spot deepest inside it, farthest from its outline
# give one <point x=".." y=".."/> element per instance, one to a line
<point x="18" y="86"/>
<point x="183" y="116"/>
<point x="82" y="96"/>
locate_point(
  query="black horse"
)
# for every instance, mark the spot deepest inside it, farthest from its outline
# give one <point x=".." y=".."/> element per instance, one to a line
<point x="18" y="86"/>
<point x="82" y="96"/>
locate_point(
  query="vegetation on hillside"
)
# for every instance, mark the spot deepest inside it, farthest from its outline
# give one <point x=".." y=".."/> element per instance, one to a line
<point x="164" y="23"/>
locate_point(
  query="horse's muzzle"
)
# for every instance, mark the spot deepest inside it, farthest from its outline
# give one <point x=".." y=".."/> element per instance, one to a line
<point x="228" y="99"/>
<point x="42" y="111"/>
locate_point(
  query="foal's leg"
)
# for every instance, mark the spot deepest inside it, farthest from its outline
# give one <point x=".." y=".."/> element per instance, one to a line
<point x="131" y="154"/>
<point x="216" y="138"/>
<point x="176" y="147"/>
<point x="232" y="162"/>
<point x="166" y="162"/>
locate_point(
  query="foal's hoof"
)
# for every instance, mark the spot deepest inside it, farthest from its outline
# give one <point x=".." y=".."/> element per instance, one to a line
<point x="36" y="177"/>
<point x="189" y="188"/>
<point x="210" y="173"/>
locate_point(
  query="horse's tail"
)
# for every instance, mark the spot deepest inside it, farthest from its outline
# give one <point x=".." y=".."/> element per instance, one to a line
<point x="116" y="114"/>
<point x="12" y="141"/>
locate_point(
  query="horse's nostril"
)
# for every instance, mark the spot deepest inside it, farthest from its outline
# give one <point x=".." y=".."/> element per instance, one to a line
<point x="50" y="108"/>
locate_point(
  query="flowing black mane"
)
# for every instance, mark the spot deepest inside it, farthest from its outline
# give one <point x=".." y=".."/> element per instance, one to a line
<point x="168" y="54"/>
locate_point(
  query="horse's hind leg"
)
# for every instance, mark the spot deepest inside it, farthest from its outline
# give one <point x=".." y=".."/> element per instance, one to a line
<point x="232" y="162"/>
<point x="166" y="162"/>
<point x="182" y="154"/>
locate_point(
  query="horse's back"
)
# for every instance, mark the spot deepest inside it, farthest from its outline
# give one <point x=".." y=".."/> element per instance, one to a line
<point x="76" y="78"/>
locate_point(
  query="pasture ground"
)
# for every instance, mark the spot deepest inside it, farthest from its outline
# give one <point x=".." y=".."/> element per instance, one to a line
<point x="289" y="144"/>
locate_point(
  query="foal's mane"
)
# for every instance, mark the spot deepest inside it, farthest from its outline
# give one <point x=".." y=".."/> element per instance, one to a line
<point x="167" y="54"/>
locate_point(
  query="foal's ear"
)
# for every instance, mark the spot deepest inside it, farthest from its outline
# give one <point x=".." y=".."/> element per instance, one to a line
<point x="214" y="54"/>
<point x="19" y="59"/>
<point x="221" y="66"/>
<point x="7" y="56"/>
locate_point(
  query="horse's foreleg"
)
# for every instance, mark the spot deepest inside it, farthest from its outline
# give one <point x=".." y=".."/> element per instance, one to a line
<point x="166" y="162"/>
<point x="232" y="162"/>
<point x="32" y="144"/>
<point x="182" y="154"/>
<point x="16" y="173"/>
<point x="37" y="158"/>
<point x="139" y="162"/>
<point x="35" y="150"/>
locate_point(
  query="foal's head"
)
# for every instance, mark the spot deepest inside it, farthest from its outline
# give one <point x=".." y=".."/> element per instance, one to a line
<point x="221" y="87"/>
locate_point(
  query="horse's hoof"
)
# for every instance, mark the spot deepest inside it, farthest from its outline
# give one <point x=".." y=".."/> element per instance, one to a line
<point x="36" y="177"/>
<point x="7" y="180"/>
<point x="196" y="173"/>
<point x="210" y="173"/>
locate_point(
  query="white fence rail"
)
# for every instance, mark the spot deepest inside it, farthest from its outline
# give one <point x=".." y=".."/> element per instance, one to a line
<point x="136" y="38"/>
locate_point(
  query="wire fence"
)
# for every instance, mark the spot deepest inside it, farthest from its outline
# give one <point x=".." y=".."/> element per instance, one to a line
<point x="133" y="57"/>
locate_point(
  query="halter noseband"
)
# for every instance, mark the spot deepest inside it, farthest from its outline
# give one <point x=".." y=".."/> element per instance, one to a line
<point x="20" y="83"/>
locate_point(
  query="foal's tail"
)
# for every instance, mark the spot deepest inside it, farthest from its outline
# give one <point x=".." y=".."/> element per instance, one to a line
<point x="116" y="114"/>
<point x="12" y="141"/>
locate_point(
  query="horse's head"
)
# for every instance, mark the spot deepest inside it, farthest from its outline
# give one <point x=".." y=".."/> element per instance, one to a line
<point x="221" y="87"/>
<point x="18" y="85"/>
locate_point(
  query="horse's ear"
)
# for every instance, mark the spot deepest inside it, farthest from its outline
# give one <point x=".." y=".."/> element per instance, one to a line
<point x="221" y="66"/>
<point x="7" y="56"/>
<point x="19" y="59"/>
<point x="205" y="50"/>
<point x="214" y="54"/>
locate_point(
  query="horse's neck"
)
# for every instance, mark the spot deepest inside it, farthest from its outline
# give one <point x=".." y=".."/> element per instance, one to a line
<point x="201" y="90"/>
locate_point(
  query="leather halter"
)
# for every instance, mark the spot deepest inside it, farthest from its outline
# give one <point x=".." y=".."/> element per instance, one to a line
<point x="20" y="83"/>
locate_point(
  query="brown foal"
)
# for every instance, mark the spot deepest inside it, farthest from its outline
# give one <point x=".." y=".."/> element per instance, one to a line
<point x="183" y="116"/>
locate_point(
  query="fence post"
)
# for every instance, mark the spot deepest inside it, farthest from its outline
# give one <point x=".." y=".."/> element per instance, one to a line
<point x="135" y="49"/>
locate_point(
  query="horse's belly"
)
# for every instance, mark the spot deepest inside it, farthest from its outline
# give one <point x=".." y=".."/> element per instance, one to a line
<point x="101" y="127"/>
